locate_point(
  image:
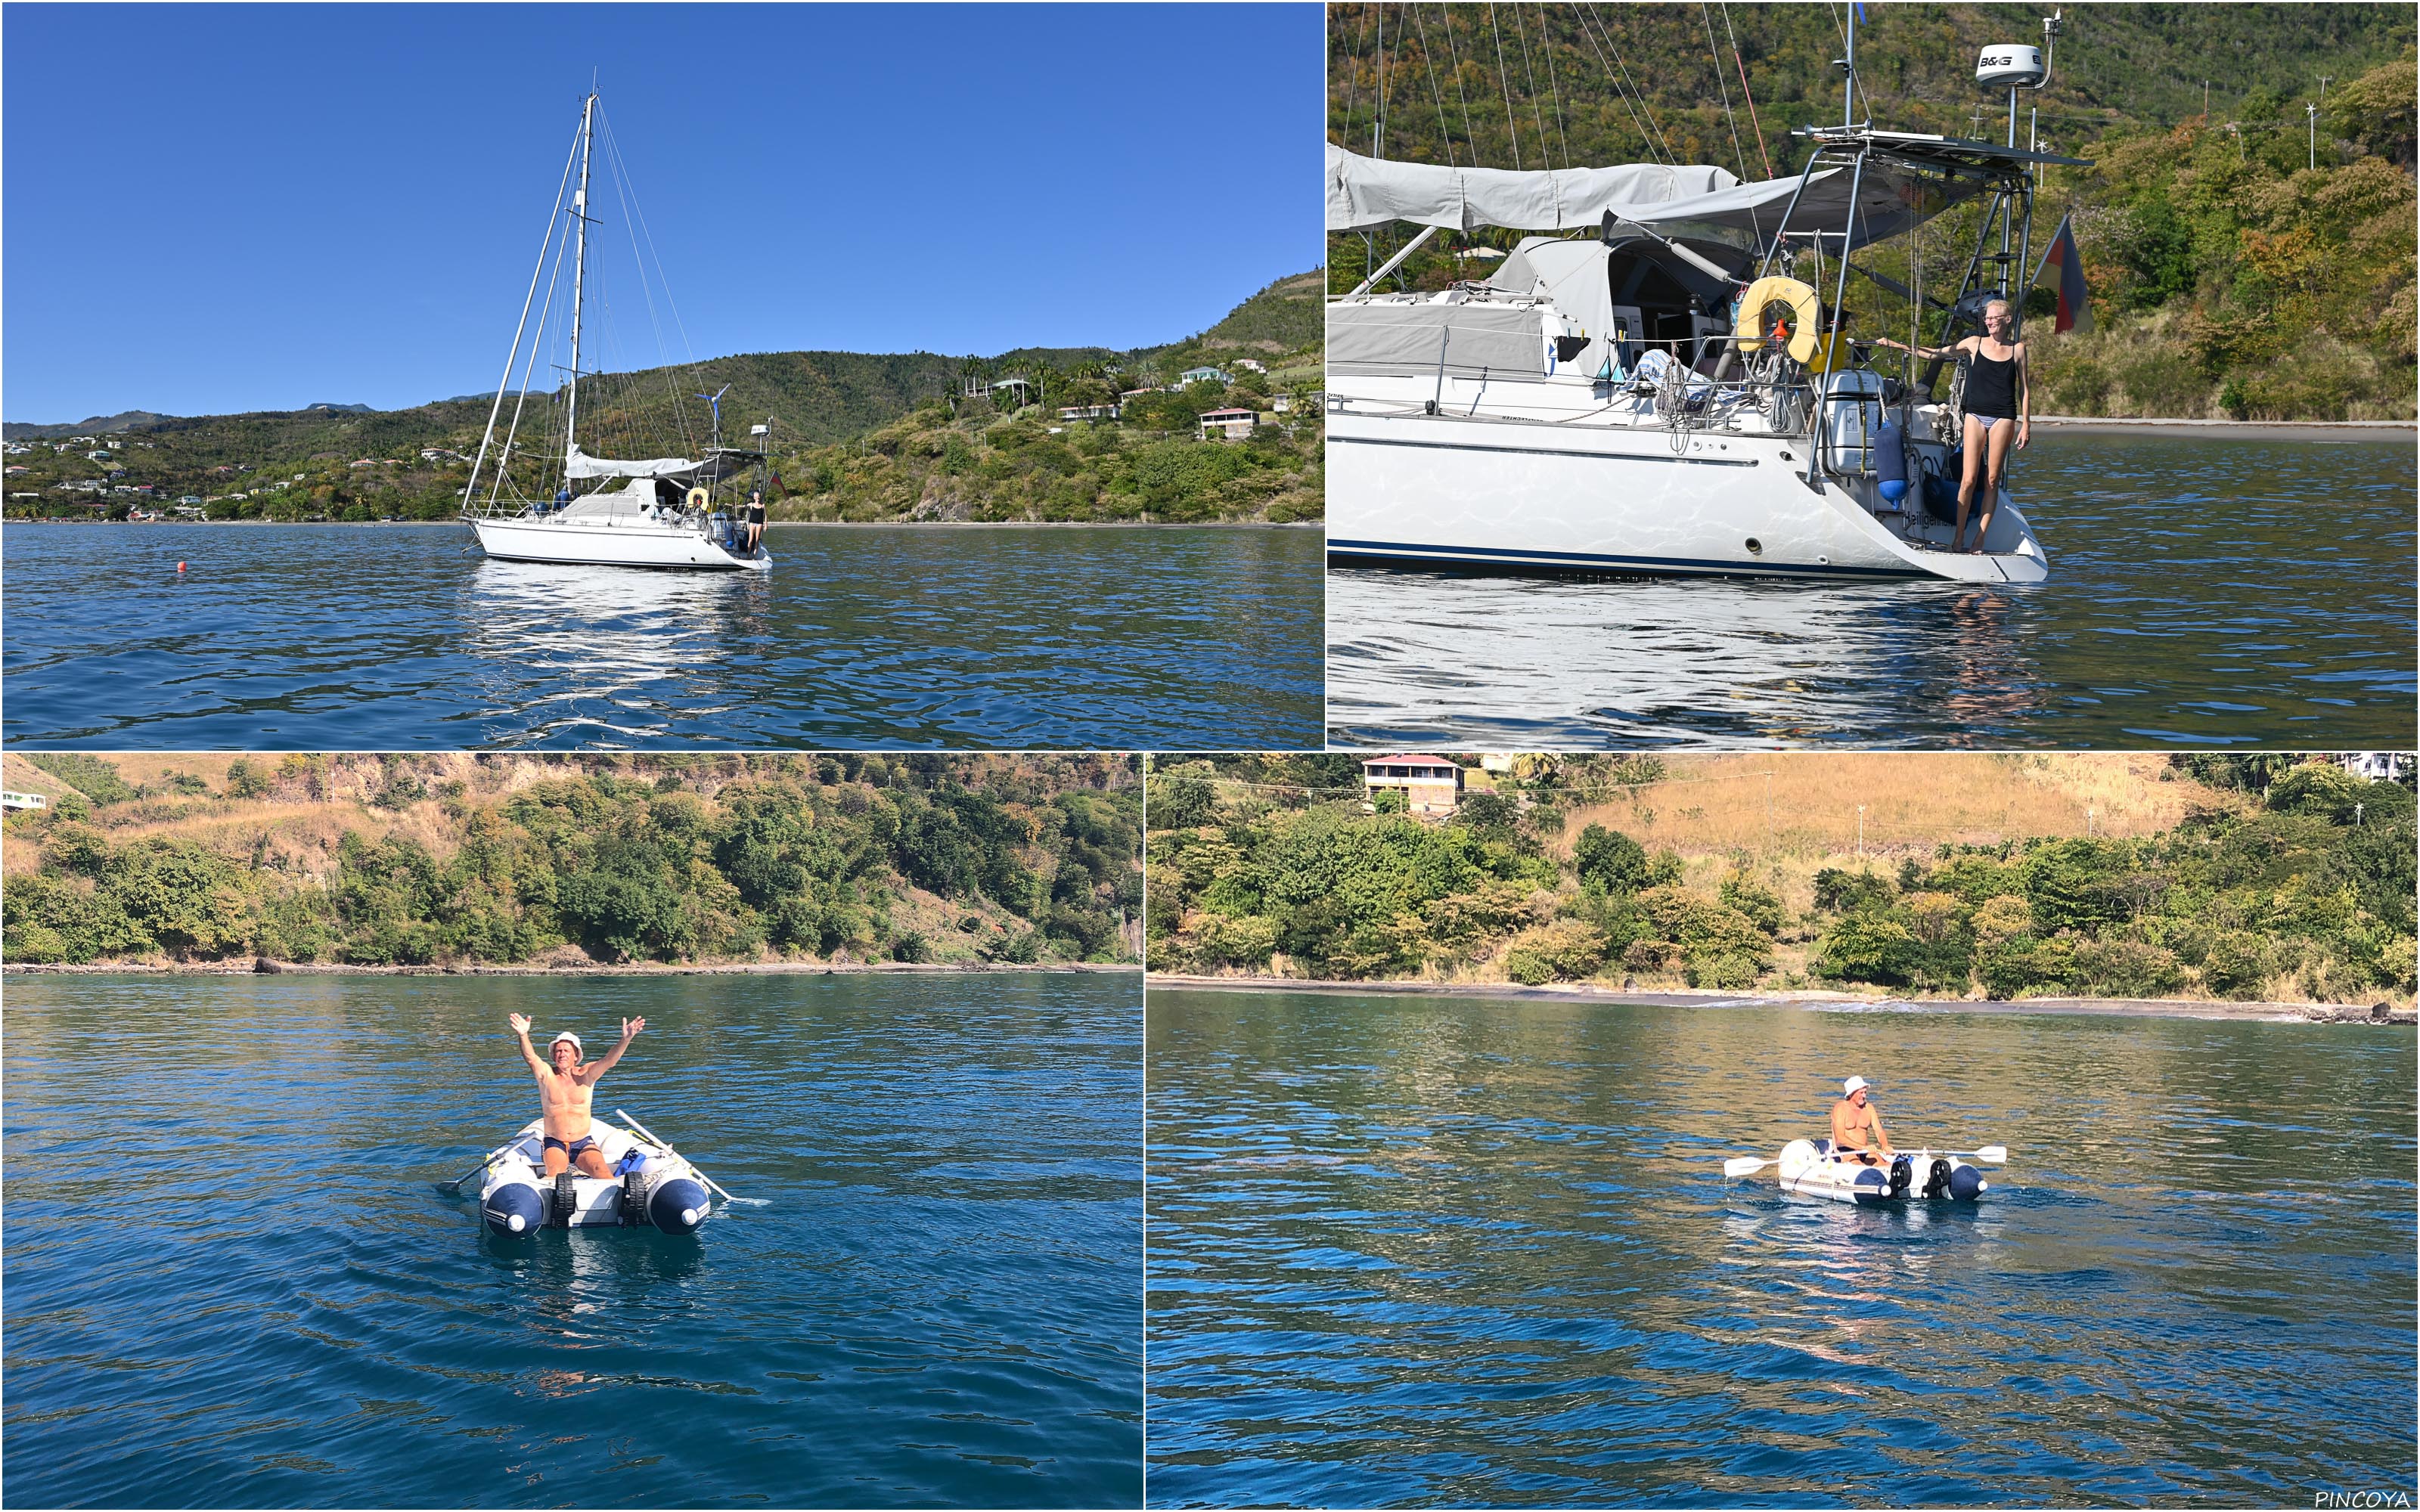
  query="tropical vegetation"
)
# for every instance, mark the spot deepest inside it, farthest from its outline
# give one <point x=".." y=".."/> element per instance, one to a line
<point x="2284" y="878"/>
<point x="469" y="860"/>
<point x="2246" y="225"/>
<point x="852" y="437"/>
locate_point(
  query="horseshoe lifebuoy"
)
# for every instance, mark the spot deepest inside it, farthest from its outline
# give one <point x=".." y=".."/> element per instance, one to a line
<point x="1804" y="315"/>
<point x="697" y="499"/>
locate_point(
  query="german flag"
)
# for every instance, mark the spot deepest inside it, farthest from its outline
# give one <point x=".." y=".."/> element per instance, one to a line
<point x="2074" y="306"/>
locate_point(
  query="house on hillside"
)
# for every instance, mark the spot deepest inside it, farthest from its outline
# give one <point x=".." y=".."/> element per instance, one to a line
<point x="1094" y="412"/>
<point x="1431" y="786"/>
<point x="1252" y="362"/>
<point x="1228" y="424"/>
<point x="2377" y="766"/>
<point x="1203" y="375"/>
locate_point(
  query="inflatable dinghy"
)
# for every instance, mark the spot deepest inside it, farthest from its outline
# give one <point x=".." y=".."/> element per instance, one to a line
<point x="1808" y="1169"/>
<point x="652" y="1185"/>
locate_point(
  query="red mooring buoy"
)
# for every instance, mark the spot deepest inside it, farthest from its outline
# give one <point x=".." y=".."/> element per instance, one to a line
<point x="180" y="566"/>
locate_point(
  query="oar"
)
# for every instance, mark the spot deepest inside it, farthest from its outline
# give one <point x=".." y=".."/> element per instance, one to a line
<point x="753" y="1202"/>
<point x="457" y="1183"/>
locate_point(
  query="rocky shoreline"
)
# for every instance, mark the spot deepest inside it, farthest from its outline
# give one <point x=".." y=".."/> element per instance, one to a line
<point x="263" y="965"/>
<point x="2192" y="1008"/>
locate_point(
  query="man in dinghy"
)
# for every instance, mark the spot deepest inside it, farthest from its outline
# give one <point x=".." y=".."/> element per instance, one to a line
<point x="1857" y="1126"/>
<point x="564" y="1090"/>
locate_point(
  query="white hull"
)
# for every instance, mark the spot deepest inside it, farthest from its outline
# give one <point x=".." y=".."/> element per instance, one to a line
<point x="1526" y="494"/>
<point x="618" y="543"/>
<point x="1808" y="1170"/>
<point x="651" y="1187"/>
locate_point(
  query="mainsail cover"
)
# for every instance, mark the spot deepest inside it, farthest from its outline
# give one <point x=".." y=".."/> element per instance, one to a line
<point x="580" y="465"/>
<point x="1690" y="201"/>
<point x="1370" y="192"/>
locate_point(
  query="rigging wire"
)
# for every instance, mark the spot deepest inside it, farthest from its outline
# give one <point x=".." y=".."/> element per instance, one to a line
<point x="1856" y="91"/>
<point x="505" y="380"/>
<point x="1669" y="156"/>
<point x="1745" y="93"/>
<point x="1647" y="141"/>
<point x="1547" y="45"/>
<point x="1378" y="121"/>
<point x="1510" y="126"/>
<point x="619" y="171"/>
<point x="1429" y="60"/>
<point x="1454" y="52"/>
<point x="554" y="281"/>
<point x="1529" y="69"/>
<point x="1729" y="118"/>
<point x="1353" y="76"/>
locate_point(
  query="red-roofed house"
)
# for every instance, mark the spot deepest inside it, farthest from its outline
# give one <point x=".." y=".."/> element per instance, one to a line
<point x="1234" y="425"/>
<point x="1430" y="784"/>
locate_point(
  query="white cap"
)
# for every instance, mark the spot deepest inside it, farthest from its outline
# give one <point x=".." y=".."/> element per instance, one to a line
<point x="578" y="1051"/>
<point x="1847" y="1089"/>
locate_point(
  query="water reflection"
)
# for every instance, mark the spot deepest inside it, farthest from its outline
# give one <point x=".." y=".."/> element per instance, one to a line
<point x="613" y="645"/>
<point x="287" y="638"/>
<point x="2192" y="602"/>
<point x="1422" y="1252"/>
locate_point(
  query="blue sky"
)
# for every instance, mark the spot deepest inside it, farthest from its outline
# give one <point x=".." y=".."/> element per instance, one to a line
<point x="215" y="209"/>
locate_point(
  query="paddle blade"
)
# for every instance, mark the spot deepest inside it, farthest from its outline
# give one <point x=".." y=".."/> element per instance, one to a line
<point x="1744" y="1165"/>
<point x="1996" y="1155"/>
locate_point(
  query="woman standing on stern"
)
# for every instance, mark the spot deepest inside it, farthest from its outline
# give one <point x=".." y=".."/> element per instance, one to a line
<point x="1999" y="405"/>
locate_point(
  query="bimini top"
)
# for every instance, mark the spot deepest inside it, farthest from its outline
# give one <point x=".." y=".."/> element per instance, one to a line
<point x="1908" y="180"/>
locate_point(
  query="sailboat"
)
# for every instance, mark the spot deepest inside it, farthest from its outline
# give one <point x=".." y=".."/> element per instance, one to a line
<point x="1660" y="384"/>
<point x="657" y="512"/>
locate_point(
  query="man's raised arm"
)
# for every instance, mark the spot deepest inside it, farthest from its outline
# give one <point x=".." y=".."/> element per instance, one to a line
<point x="630" y="1029"/>
<point x="520" y="1025"/>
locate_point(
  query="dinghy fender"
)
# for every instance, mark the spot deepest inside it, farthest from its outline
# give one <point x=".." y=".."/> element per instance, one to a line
<point x="514" y="1207"/>
<point x="1890" y="460"/>
<point x="1966" y="1183"/>
<point x="678" y="1206"/>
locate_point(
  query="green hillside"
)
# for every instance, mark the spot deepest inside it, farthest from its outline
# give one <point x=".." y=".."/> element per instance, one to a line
<point x="2230" y="277"/>
<point x="2239" y="877"/>
<point x="839" y="422"/>
<point x="458" y="859"/>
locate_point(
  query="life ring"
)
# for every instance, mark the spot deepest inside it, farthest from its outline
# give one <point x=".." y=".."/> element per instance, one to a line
<point x="697" y="499"/>
<point x="1804" y="315"/>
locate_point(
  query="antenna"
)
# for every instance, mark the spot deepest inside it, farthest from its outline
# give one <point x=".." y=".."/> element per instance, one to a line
<point x="2020" y="66"/>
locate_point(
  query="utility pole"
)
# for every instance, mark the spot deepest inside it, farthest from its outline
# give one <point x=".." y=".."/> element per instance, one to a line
<point x="1861" y="832"/>
<point x="2205" y="103"/>
<point x="2312" y="110"/>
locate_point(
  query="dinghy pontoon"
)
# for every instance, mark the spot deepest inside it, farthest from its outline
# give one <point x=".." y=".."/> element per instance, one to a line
<point x="652" y="1185"/>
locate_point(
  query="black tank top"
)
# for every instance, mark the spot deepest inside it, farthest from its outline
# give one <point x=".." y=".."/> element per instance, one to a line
<point x="1991" y="387"/>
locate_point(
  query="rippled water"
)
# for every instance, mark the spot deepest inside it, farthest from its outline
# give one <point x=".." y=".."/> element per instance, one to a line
<point x="230" y="1280"/>
<point x="1432" y="1251"/>
<point x="407" y="638"/>
<point x="2201" y="594"/>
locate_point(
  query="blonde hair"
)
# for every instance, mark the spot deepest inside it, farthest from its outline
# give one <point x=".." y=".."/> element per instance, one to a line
<point x="2002" y="303"/>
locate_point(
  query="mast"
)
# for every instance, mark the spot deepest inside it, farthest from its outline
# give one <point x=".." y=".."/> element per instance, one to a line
<point x="579" y="269"/>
